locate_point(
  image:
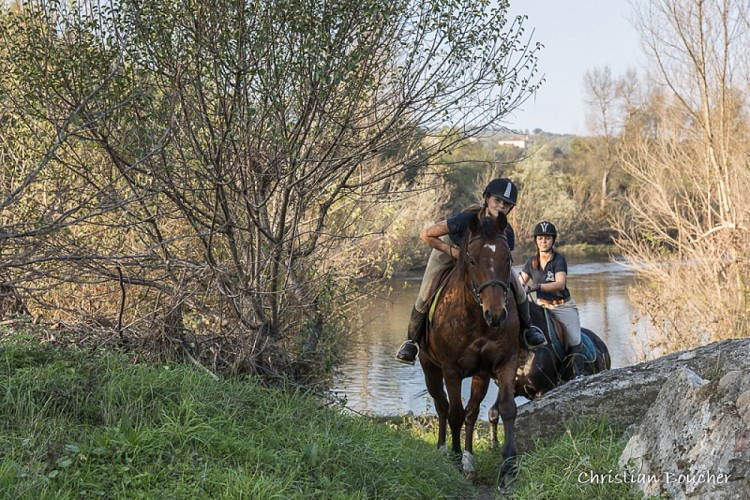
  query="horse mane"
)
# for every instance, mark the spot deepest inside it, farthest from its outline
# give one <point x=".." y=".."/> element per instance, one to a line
<point x="489" y="228"/>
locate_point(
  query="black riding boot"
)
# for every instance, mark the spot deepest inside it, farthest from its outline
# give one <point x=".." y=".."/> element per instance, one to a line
<point x="408" y="351"/>
<point x="578" y="356"/>
<point x="532" y="336"/>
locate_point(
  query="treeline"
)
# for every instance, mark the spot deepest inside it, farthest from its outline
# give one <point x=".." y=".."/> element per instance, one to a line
<point x="560" y="178"/>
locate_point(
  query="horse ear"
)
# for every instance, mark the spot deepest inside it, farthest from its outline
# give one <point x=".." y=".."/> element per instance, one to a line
<point x="502" y="222"/>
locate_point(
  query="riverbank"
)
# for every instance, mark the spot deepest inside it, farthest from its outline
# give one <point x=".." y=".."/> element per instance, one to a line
<point x="78" y="423"/>
<point x="587" y="250"/>
<point x="576" y="251"/>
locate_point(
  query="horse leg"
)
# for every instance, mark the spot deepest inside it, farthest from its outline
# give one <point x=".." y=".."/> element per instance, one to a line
<point x="507" y="408"/>
<point x="479" y="386"/>
<point x="433" y="378"/>
<point x="494" y="417"/>
<point x="456" y="413"/>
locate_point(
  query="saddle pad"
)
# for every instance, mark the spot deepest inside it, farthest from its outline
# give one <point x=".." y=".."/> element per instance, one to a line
<point x="589" y="350"/>
<point x="557" y="348"/>
<point x="438" y="283"/>
<point x="433" y="303"/>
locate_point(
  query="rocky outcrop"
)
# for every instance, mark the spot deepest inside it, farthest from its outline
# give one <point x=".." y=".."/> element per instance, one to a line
<point x="624" y="395"/>
<point x="693" y="440"/>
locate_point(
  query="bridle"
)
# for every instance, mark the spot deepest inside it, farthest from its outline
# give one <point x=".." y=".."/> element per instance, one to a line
<point x="505" y="285"/>
<point x="477" y="290"/>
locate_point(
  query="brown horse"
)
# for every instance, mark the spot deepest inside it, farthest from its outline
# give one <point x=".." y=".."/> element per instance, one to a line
<point x="542" y="369"/>
<point x="545" y="368"/>
<point x="474" y="333"/>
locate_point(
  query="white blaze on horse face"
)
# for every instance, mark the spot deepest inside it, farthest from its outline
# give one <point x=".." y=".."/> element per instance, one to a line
<point x="493" y="248"/>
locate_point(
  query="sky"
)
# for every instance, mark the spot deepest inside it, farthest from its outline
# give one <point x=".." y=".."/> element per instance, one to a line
<point x="578" y="35"/>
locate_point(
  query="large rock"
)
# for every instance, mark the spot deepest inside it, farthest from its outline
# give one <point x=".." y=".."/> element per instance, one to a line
<point x="693" y="440"/>
<point x="624" y="395"/>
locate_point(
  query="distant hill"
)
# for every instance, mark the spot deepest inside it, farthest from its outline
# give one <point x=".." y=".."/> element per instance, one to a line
<point x="524" y="140"/>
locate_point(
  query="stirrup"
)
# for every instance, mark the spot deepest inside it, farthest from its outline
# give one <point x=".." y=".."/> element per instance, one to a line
<point x="535" y="346"/>
<point x="408" y="352"/>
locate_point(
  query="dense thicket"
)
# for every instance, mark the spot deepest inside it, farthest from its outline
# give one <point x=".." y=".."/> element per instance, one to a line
<point x="212" y="167"/>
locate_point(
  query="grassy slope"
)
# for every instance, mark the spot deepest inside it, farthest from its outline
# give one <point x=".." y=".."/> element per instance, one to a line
<point x="77" y="424"/>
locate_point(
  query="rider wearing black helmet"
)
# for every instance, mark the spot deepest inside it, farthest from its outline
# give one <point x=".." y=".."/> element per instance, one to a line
<point x="548" y="270"/>
<point x="500" y="195"/>
<point x="503" y="189"/>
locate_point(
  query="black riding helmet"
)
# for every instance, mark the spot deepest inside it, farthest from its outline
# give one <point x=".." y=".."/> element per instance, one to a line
<point x="545" y="228"/>
<point x="503" y="189"/>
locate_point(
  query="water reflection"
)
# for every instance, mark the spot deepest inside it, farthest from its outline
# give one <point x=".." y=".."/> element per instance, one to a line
<point x="374" y="383"/>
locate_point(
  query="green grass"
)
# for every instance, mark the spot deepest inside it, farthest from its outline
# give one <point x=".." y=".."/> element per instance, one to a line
<point x="77" y="424"/>
<point x="580" y="463"/>
<point x="558" y="469"/>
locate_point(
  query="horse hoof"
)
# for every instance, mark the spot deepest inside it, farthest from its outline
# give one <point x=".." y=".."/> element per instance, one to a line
<point x="467" y="464"/>
<point x="508" y="469"/>
<point x="505" y="483"/>
<point x="506" y="480"/>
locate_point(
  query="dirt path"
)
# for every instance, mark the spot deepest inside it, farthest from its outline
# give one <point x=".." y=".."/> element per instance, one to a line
<point x="485" y="492"/>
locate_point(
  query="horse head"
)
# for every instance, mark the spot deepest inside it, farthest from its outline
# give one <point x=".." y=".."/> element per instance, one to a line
<point x="486" y="263"/>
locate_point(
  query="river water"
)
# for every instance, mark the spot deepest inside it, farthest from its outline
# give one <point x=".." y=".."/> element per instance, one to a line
<point x="373" y="383"/>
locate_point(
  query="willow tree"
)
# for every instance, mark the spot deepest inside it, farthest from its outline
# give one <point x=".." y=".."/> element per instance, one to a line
<point x="243" y="144"/>
<point x="686" y="149"/>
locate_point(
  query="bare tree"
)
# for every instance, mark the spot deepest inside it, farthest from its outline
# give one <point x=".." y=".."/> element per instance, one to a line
<point x="603" y="92"/>
<point x="691" y="169"/>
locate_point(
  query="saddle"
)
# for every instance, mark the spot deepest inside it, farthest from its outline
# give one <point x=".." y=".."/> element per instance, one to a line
<point x="559" y="345"/>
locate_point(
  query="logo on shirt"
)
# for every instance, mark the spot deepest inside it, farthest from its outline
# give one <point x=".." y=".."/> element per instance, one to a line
<point x="550" y="276"/>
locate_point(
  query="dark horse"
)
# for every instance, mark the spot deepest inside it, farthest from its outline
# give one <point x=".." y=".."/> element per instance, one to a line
<point x="474" y="333"/>
<point x="545" y="368"/>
